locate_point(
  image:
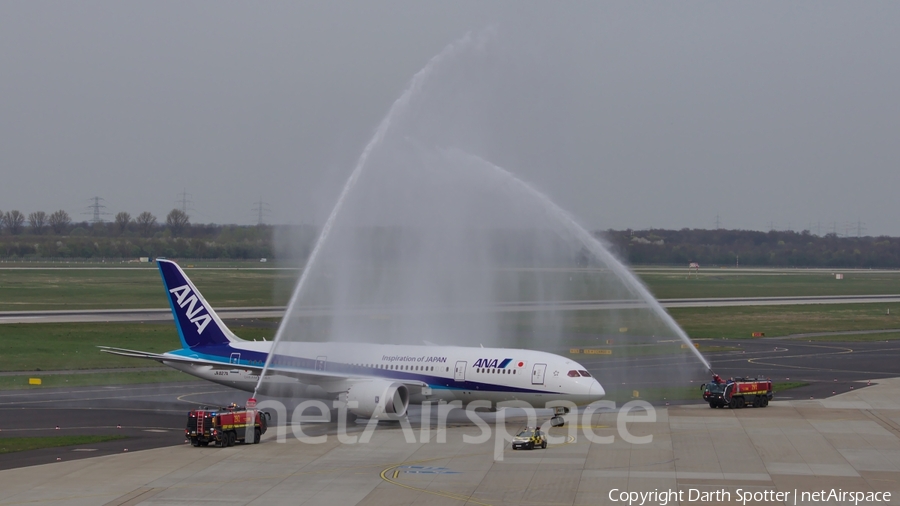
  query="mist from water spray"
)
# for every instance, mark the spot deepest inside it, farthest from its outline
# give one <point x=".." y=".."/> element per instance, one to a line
<point x="597" y="249"/>
<point x="435" y="244"/>
<point x="397" y="108"/>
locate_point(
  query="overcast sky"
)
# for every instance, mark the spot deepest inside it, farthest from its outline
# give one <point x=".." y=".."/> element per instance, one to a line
<point x="627" y="114"/>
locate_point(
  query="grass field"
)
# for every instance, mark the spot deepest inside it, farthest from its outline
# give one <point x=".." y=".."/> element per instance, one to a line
<point x="21" y="444"/>
<point x="64" y="346"/>
<point x="164" y="375"/>
<point x="764" y="284"/>
<point x="114" y="287"/>
<point x="784" y="320"/>
<point x="649" y="350"/>
<point x="118" y="288"/>
<point x="32" y="347"/>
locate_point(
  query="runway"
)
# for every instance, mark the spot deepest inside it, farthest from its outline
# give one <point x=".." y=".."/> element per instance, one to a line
<point x="163" y="314"/>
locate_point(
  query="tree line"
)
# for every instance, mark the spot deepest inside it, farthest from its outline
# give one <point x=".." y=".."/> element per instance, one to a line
<point x="60" y="223"/>
<point x="41" y="235"/>
<point x="750" y="248"/>
<point x="55" y="236"/>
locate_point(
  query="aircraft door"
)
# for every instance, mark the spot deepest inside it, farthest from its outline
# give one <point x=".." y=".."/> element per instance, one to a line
<point x="320" y="362"/>
<point x="459" y="373"/>
<point x="537" y="374"/>
<point x="235" y="358"/>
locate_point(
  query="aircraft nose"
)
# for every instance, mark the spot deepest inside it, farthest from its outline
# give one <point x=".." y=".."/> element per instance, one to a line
<point x="597" y="390"/>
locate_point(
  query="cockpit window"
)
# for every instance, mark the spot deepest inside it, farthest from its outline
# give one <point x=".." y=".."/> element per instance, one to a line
<point x="585" y="374"/>
<point x="573" y="374"/>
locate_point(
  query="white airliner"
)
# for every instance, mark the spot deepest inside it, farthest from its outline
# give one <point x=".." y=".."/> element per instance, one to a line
<point x="382" y="379"/>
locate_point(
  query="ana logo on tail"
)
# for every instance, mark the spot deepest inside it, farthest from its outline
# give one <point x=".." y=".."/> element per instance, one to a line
<point x="194" y="307"/>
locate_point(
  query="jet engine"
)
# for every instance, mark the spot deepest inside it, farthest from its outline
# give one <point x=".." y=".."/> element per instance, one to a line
<point x="378" y="399"/>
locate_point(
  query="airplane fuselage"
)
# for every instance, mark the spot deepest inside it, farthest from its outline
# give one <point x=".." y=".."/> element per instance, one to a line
<point x="450" y="372"/>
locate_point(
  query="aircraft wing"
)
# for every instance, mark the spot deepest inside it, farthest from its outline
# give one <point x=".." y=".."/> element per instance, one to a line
<point x="304" y="376"/>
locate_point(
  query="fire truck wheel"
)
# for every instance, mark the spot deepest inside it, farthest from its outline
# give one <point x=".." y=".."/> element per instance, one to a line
<point x="204" y="443"/>
<point x="712" y="404"/>
<point x="256" y="435"/>
<point x="232" y="438"/>
<point x="194" y="442"/>
<point x="765" y="401"/>
<point x="734" y="403"/>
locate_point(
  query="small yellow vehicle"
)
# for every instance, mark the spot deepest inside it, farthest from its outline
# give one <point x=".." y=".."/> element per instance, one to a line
<point x="529" y="439"/>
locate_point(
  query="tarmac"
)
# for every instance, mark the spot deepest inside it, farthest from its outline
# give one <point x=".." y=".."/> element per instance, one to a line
<point x="846" y="443"/>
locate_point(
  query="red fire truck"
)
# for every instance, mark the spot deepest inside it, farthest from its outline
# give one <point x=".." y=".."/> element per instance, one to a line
<point x="226" y="426"/>
<point x="738" y="392"/>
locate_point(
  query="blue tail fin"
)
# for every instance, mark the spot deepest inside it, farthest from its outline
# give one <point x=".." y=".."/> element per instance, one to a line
<point x="198" y="325"/>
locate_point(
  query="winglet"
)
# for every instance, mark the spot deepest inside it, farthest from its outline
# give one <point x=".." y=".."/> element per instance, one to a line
<point x="198" y="325"/>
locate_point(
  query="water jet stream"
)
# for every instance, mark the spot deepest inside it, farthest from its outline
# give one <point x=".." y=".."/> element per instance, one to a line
<point x="396" y="109"/>
<point x="449" y="201"/>
<point x="596" y="247"/>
